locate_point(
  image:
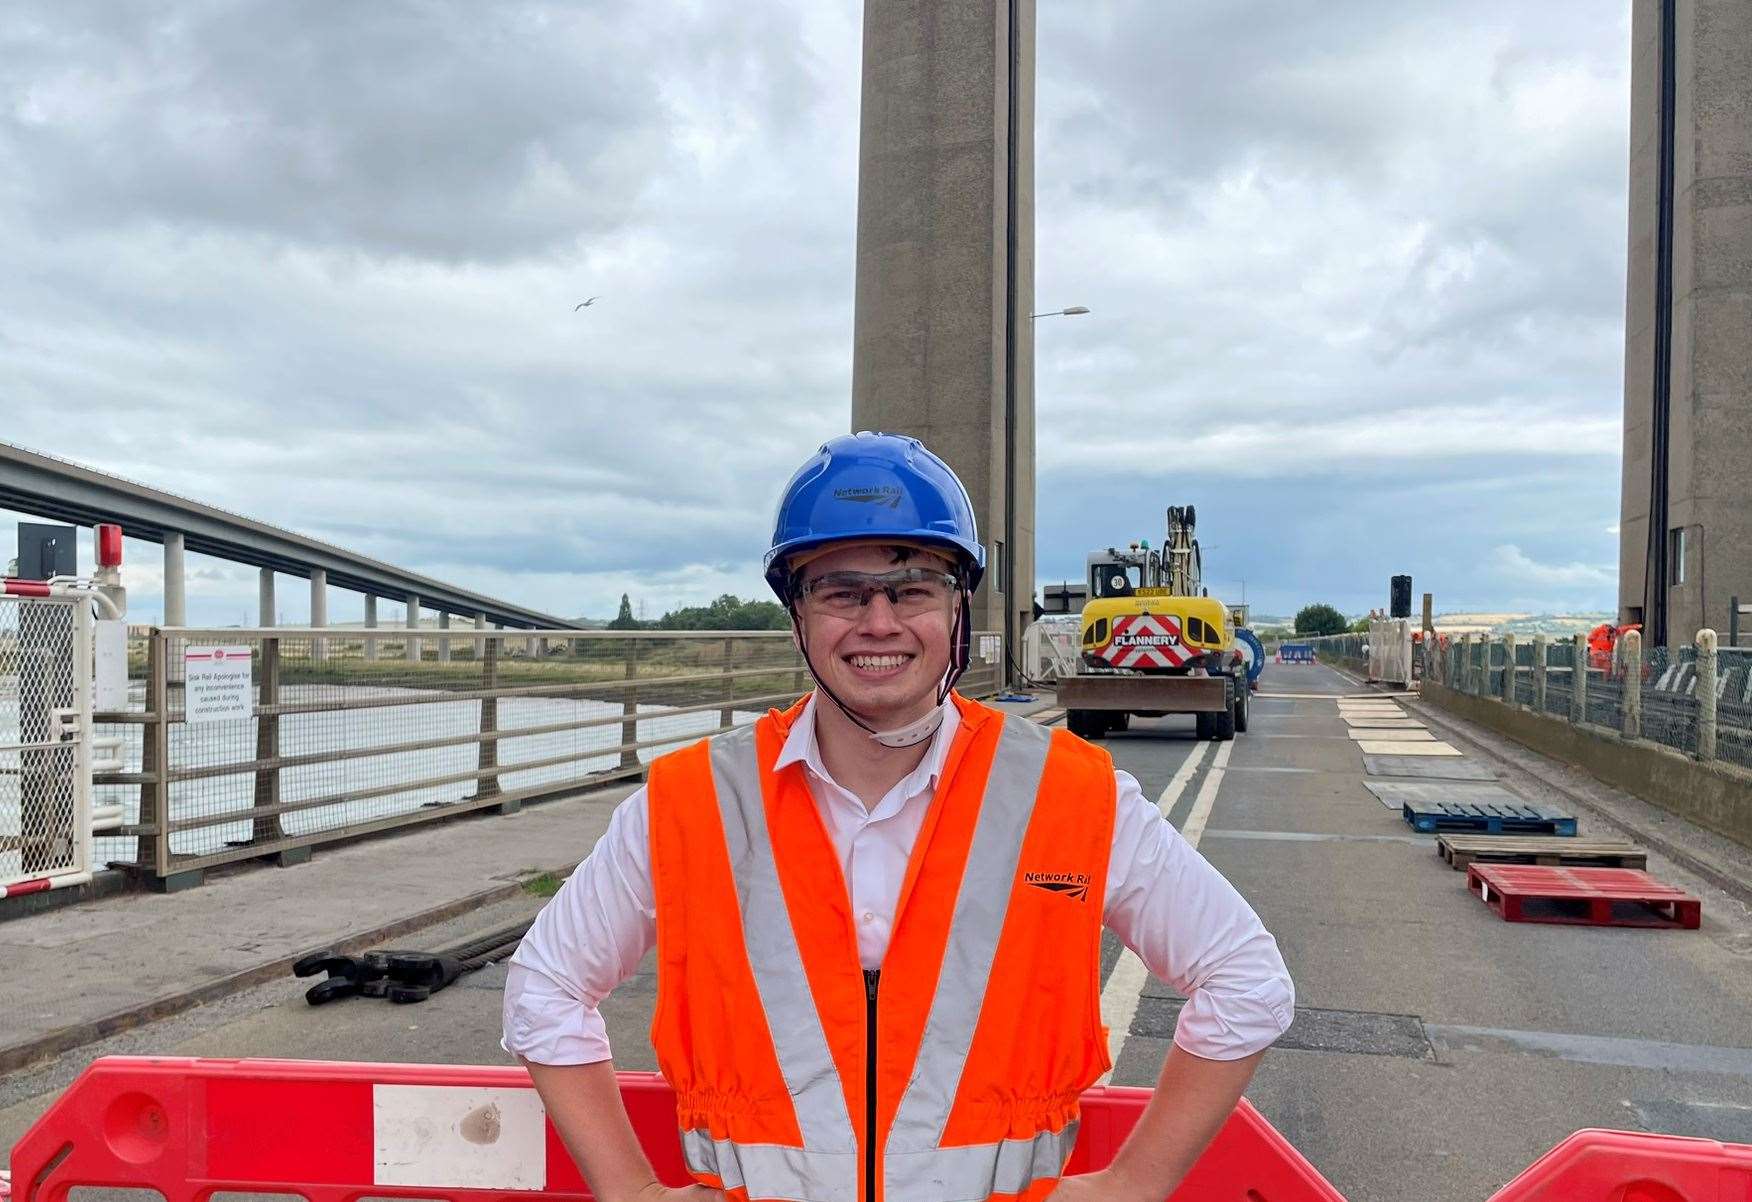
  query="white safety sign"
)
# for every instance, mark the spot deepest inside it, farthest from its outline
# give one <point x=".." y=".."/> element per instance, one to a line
<point x="988" y="647"/>
<point x="217" y="684"/>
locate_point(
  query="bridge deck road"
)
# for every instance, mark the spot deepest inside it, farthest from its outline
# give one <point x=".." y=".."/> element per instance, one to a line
<point x="1437" y="1050"/>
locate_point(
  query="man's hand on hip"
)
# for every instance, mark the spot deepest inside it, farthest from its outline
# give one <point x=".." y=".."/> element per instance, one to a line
<point x="1099" y="1186"/>
<point x="658" y="1192"/>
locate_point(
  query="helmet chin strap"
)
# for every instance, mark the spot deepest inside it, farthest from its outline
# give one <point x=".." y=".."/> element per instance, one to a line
<point x="922" y="728"/>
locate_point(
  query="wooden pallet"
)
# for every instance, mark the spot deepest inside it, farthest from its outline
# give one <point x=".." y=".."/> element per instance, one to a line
<point x="1601" y="897"/>
<point x="1550" y="850"/>
<point x="1486" y="818"/>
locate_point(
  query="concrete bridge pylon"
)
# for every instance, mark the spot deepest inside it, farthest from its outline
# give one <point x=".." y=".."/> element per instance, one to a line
<point x="942" y="344"/>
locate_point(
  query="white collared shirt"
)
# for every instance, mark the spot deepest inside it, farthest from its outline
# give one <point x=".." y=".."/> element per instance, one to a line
<point x="1164" y="901"/>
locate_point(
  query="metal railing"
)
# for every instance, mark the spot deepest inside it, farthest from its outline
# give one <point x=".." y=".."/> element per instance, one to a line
<point x="1696" y="699"/>
<point x="330" y="733"/>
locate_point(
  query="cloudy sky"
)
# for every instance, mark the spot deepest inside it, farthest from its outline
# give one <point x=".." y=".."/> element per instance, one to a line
<point x="1355" y="271"/>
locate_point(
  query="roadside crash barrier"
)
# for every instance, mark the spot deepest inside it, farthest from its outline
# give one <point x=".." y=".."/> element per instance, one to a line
<point x="1625" y="1166"/>
<point x="334" y="1132"/>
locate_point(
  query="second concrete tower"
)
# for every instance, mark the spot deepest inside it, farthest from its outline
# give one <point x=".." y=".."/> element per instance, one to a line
<point x="942" y="345"/>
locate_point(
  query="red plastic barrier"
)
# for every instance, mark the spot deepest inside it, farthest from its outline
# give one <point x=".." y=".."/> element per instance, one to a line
<point x="334" y="1132"/>
<point x="1623" y="1166"/>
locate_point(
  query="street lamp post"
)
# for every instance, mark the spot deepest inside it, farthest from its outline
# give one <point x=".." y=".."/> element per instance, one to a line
<point x="1012" y="625"/>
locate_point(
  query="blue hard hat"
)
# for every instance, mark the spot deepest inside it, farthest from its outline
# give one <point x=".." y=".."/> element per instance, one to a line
<point x="874" y="486"/>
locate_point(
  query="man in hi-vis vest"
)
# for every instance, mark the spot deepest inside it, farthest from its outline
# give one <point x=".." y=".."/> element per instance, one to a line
<point x="878" y="915"/>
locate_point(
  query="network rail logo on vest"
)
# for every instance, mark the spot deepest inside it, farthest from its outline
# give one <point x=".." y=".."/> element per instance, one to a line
<point x="1074" y="885"/>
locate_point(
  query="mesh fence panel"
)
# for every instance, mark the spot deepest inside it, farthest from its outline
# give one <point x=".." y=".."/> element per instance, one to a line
<point x="1605" y="690"/>
<point x="1669" y="696"/>
<point x="1669" y="705"/>
<point x="1523" y="669"/>
<point x="1560" y="662"/>
<point x="347" y="731"/>
<point x="38" y="793"/>
<point x="1346" y="649"/>
<point x="1734" y="705"/>
<point x="121" y="739"/>
<point x="1495" y="660"/>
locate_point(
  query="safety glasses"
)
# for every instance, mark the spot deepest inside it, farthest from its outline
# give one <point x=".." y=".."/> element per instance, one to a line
<point x="912" y="591"/>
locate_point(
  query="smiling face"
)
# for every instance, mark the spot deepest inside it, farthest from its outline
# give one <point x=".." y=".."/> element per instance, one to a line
<point x="884" y="666"/>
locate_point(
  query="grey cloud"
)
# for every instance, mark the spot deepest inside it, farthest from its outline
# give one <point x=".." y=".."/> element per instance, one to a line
<point x="316" y="263"/>
<point x="452" y="131"/>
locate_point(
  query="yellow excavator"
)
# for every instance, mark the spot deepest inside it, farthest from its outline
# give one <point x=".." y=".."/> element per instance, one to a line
<point x="1153" y="642"/>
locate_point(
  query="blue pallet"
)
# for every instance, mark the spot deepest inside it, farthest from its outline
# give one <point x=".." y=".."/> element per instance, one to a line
<point x="1487" y="818"/>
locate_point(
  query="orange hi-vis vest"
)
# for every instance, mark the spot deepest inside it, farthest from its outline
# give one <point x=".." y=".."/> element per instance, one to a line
<point x="954" y="1073"/>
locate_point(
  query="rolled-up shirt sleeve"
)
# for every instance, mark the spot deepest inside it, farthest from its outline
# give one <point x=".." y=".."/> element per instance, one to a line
<point x="1192" y="929"/>
<point x="589" y="938"/>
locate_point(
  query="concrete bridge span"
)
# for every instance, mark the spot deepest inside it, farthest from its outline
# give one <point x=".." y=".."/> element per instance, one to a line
<point x="32" y="482"/>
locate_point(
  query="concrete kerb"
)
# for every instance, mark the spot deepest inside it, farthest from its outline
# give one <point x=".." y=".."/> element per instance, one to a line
<point x="63" y="1039"/>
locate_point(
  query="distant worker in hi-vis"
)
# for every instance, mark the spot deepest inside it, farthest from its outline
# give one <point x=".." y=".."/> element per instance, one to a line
<point x="878" y="914"/>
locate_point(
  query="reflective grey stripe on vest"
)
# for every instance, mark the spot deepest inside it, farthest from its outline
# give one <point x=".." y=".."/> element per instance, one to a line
<point x="973" y="935"/>
<point x="977" y="1171"/>
<point x="804" y="1059"/>
<point x="915" y="1168"/>
<point x="914" y="1163"/>
<point x="772" y="1171"/>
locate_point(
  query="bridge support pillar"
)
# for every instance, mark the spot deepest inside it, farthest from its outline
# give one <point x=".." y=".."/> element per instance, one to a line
<point x="370" y="624"/>
<point x="318" y="611"/>
<point x="444" y="639"/>
<point x="1685" y="492"/>
<point x="413" y="624"/>
<point x="1706" y="694"/>
<point x="942" y="340"/>
<point x="265" y="593"/>
<point x="176" y="611"/>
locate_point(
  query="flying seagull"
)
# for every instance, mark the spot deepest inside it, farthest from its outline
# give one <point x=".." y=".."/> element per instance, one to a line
<point x="584" y="304"/>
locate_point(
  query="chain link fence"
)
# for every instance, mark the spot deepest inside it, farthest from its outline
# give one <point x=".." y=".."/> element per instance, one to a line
<point x="1560" y="669"/>
<point x="1351" y="650"/>
<point x="1734" y="705"/>
<point x="1669" y="697"/>
<point x="121" y="787"/>
<point x="1523" y="674"/>
<point x="334" y="733"/>
<point x="1565" y="678"/>
<point x="1650" y="693"/>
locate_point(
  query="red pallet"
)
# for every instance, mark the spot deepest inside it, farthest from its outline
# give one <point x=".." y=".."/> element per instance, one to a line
<point x="1600" y="897"/>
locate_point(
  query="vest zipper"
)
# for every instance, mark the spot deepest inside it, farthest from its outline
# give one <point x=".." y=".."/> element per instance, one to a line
<point x="871" y="978"/>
